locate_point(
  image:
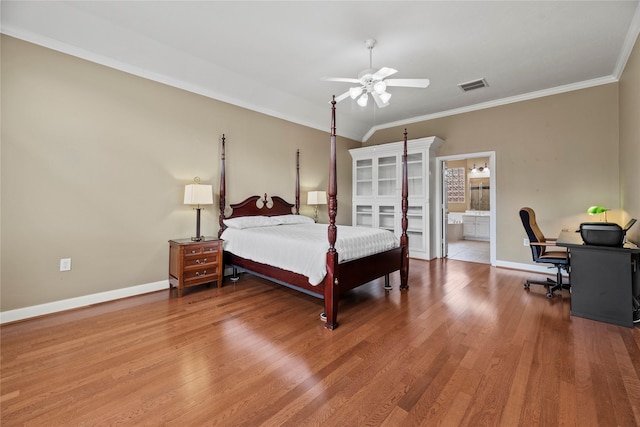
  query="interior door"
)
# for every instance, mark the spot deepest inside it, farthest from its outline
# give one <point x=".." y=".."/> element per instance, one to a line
<point x="445" y="212"/>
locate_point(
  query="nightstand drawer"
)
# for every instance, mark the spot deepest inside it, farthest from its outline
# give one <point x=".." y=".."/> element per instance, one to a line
<point x="211" y="248"/>
<point x="200" y="259"/>
<point x="202" y="274"/>
<point x="197" y="250"/>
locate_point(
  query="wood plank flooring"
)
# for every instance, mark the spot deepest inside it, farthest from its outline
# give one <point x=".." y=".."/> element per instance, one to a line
<point x="465" y="346"/>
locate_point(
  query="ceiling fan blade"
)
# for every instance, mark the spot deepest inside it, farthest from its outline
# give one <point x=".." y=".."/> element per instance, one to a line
<point x="343" y="96"/>
<point x="379" y="102"/>
<point x="383" y="72"/>
<point x="408" y="82"/>
<point x="340" y="79"/>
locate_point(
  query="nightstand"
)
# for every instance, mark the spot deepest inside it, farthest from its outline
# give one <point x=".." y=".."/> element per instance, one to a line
<point x="195" y="263"/>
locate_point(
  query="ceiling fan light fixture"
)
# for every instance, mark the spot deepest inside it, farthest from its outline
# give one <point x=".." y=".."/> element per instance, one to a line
<point x="372" y="82"/>
<point x="385" y="97"/>
<point x="380" y="87"/>
<point x="355" y="92"/>
<point x="362" y="101"/>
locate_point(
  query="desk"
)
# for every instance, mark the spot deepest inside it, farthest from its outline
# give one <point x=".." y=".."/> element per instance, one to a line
<point x="604" y="280"/>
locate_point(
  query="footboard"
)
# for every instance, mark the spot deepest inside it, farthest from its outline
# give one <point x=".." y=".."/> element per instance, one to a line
<point x="354" y="273"/>
<point x="342" y="277"/>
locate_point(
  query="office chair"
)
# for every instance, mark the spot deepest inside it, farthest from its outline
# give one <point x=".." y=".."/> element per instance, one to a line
<point x="539" y="245"/>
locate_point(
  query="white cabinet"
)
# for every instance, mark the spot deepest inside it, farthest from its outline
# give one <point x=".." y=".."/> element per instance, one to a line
<point x="377" y="190"/>
<point x="475" y="227"/>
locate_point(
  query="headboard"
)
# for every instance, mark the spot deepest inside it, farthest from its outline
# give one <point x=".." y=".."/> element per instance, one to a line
<point x="254" y="205"/>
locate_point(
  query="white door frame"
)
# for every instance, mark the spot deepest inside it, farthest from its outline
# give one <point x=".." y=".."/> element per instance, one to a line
<point x="492" y="194"/>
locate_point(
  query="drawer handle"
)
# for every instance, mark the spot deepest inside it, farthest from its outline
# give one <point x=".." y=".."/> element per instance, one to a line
<point x="198" y="261"/>
<point x="205" y="260"/>
<point x="198" y="273"/>
<point x="193" y="251"/>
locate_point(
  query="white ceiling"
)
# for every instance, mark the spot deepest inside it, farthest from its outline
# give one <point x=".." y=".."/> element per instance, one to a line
<point x="270" y="56"/>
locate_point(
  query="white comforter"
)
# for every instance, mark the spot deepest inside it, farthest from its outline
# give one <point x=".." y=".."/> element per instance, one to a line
<point x="302" y="248"/>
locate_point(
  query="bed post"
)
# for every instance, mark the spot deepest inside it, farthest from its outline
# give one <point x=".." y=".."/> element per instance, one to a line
<point x="331" y="280"/>
<point x="298" y="181"/>
<point x="404" y="238"/>
<point x="223" y="190"/>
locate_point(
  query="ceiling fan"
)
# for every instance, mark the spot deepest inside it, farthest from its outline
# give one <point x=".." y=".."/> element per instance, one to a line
<point x="371" y="81"/>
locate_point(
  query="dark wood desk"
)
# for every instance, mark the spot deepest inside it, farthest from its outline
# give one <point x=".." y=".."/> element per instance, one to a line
<point x="604" y="280"/>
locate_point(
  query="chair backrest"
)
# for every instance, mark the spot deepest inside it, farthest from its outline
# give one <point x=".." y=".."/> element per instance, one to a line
<point x="528" y="217"/>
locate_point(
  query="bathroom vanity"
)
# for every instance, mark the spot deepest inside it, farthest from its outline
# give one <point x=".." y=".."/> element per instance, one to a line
<point x="476" y="225"/>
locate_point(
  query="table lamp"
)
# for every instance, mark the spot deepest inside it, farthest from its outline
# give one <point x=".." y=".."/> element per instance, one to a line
<point x="594" y="210"/>
<point x="316" y="198"/>
<point x="198" y="194"/>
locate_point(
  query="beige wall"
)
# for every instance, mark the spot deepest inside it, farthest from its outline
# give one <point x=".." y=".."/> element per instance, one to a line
<point x="557" y="154"/>
<point x="630" y="141"/>
<point x="94" y="163"/>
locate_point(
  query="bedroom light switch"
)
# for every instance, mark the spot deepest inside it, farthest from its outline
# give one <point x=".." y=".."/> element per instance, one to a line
<point x="65" y="264"/>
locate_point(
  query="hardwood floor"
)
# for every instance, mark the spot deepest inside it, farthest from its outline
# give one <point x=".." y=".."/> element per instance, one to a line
<point x="466" y="345"/>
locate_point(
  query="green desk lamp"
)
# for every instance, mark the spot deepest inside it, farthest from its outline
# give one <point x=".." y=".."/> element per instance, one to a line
<point x="594" y="210"/>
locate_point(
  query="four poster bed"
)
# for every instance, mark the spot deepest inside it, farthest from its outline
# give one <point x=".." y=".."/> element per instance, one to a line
<point x="350" y="257"/>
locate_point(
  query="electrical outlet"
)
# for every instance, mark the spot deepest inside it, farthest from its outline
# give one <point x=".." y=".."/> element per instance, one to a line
<point x="526" y="242"/>
<point x="65" y="264"/>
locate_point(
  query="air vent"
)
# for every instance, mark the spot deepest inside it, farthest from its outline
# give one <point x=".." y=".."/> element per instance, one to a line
<point x="476" y="84"/>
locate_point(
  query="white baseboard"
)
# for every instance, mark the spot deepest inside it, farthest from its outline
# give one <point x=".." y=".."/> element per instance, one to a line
<point x="83" y="301"/>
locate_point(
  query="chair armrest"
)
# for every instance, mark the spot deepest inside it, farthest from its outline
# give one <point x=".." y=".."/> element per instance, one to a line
<point x="542" y="244"/>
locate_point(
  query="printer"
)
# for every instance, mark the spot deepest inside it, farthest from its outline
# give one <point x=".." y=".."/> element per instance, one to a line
<point x="604" y="233"/>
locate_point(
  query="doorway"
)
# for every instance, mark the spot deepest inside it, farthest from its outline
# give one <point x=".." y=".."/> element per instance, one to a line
<point x="466" y="217"/>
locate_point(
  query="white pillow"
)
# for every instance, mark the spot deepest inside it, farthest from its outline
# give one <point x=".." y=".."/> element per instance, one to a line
<point x="251" y="221"/>
<point x="293" y="219"/>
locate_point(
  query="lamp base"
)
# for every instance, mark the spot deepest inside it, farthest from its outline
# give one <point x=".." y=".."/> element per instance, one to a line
<point x="198" y="237"/>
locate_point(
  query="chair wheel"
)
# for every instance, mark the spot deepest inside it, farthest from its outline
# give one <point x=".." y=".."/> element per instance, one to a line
<point x="549" y="295"/>
<point x="526" y="286"/>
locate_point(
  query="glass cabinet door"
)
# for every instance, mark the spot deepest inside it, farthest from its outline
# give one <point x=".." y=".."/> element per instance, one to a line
<point x="364" y="177"/>
<point x="415" y="174"/>
<point x="387" y="217"/>
<point x="364" y="216"/>
<point x="416" y="228"/>
<point x="387" y="175"/>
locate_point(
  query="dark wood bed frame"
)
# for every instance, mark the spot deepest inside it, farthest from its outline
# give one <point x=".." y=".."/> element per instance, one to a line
<point x="340" y="277"/>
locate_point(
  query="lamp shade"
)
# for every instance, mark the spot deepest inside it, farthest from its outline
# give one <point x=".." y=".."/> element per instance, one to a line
<point x="317" y="198"/>
<point x="594" y="210"/>
<point x="198" y="194"/>
<point x="355" y="92"/>
<point x="385" y="97"/>
<point x="362" y="101"/>
<point x="380" y="87"/>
